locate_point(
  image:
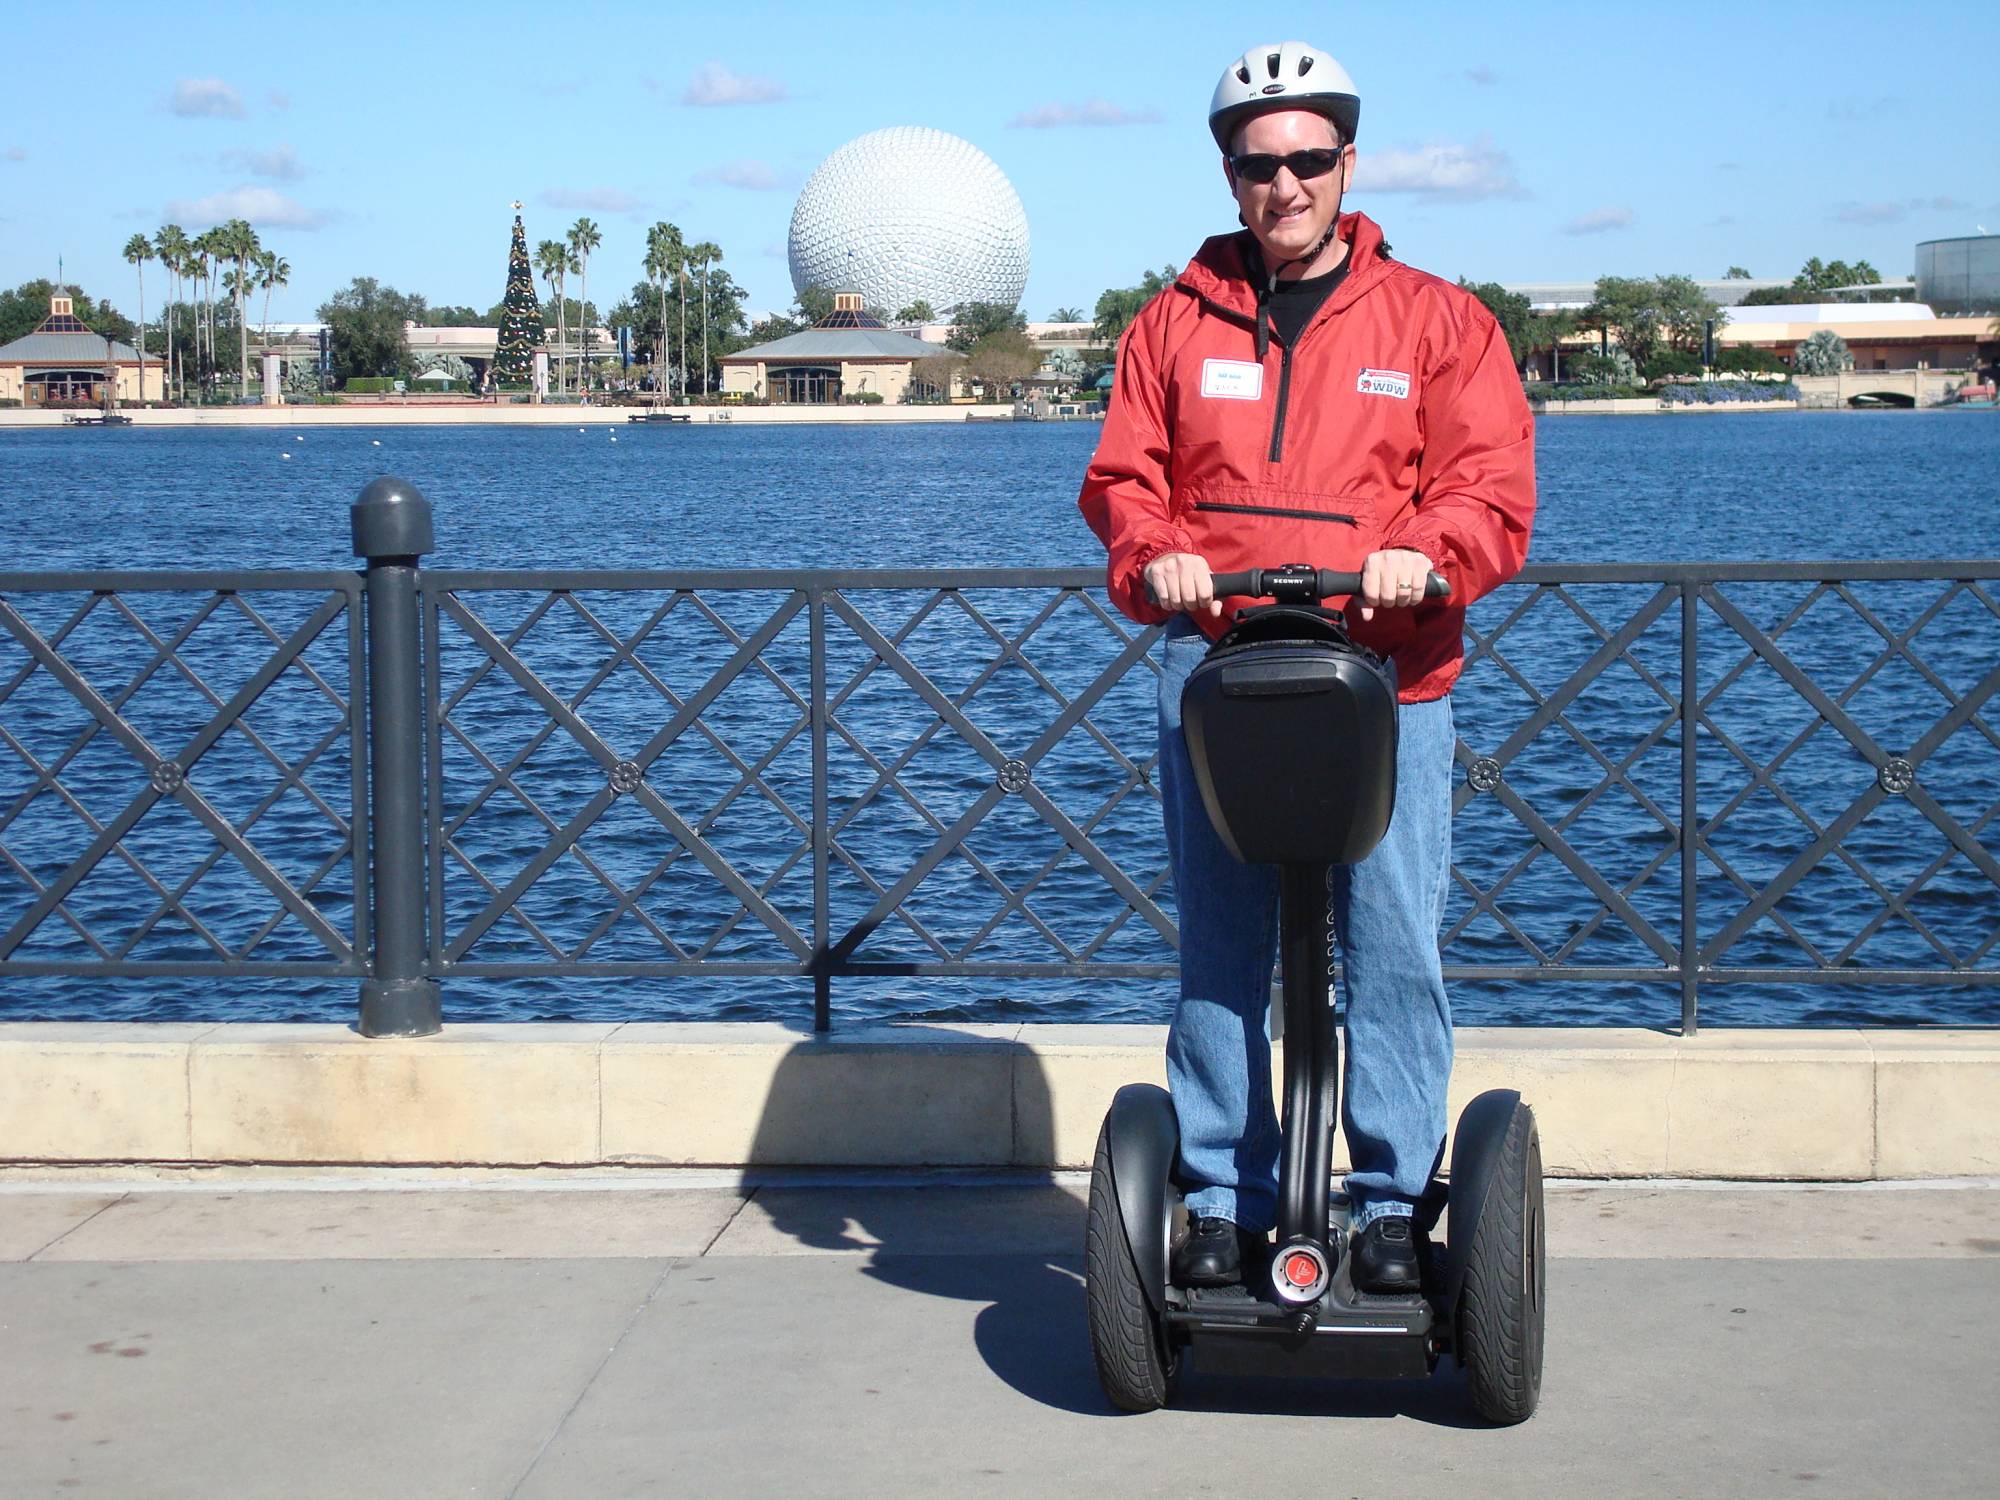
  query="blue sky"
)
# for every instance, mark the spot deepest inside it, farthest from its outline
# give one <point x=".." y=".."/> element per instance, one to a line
<point x="1513" y="143"/>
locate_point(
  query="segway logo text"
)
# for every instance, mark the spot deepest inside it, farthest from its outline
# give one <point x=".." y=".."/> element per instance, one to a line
<point x="1384" y="383"/>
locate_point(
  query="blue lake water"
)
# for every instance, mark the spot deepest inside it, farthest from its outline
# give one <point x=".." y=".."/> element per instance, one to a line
<point x="1740" y="487"/>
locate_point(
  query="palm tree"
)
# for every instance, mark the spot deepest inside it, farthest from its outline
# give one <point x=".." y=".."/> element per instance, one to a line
<point x="705" y="252"/>
<point x="138" y="250"/>
<point x="273" y="270"/>
<point x="1066" y="315"/>
<point x="584" y="238"/>
<point x="663" y="253"/>
<point x="170" y="244"/>
<point x="551" y="259"/>
<point x="203" y="247"/>
<point x="239" y="244"/>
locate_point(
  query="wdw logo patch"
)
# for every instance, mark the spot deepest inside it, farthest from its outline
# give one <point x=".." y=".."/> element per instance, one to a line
<point x="1384" y="383"/>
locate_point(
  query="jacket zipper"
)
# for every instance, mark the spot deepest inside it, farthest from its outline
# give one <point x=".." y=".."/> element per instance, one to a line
<point x="1284" y="394"/>
<point x="1276" y="510"/>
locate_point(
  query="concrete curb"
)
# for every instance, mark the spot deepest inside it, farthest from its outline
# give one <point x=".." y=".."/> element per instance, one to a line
<point x="1844" y="1105"/>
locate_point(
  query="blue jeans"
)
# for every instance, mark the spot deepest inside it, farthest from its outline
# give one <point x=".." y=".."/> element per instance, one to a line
<point x="1386" y="912"/>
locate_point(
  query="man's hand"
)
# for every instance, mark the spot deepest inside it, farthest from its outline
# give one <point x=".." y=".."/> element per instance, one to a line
<point x="1181" y="581"/>
<point x="1393" y="580"/>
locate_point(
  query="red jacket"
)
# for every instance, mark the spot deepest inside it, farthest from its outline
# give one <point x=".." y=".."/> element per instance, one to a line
<point x="1396" y="420"/>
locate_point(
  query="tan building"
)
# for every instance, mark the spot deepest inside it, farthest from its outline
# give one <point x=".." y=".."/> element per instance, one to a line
<point x="847" y="353"/>
<point x="64" y="362"/>
<point x="1879" y="336"/>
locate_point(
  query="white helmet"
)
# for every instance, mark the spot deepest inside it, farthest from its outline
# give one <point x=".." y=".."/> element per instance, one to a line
<point x="1283" y="75"/>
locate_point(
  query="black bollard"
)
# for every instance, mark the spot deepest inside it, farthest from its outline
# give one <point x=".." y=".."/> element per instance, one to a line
<point x="392" y="530"/>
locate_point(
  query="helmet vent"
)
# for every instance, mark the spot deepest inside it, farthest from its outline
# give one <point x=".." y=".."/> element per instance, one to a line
<point x="1243" y="75"/>
<point x="1305" y="65"/>
<point x="1271" y="62"/>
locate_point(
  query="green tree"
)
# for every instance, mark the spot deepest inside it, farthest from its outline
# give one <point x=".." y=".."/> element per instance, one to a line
<point x="26" y="308"/>
<point x="1684" y="313"/>
<point x="583" y="239"/>
<point x="975" y="322"/>
<point x="1118" y="306"/>
<point x="273" y="271"/>
<point x="365" y="329"/>
<point x="170" y="243"/>
<point x="931" y="377"/>
<point x="918" y="311"/>
<point x="139" y="250"/>
<point x="1825" y="353"/>
<point x="1001" y="359"/>
<point x="521" y="328"/>
<point x="1626" y="308"/>
<point x="705" y="253"/>
<point x="1736" y="273"/>
<point x="552" y="261"/>
<point x="665" y="249"/>
<point x="1815" y="277"/>
<point x="1066" y="315"/>
<point x="813" y="305"/>
<point x="1511" y="310"/>
<point x="457" y="315"/>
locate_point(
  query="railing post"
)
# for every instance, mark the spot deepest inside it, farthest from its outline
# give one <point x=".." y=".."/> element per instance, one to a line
<point x="392" y="530"/>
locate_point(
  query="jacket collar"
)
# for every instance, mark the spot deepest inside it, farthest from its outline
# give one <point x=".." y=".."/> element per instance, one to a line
<point x="1221" y="270"/>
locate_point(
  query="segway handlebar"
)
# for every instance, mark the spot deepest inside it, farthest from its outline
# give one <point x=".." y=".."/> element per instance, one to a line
<point x="1296" y="583"/>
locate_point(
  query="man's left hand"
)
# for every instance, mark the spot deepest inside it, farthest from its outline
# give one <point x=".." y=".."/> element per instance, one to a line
<point x="1393" y="580"/>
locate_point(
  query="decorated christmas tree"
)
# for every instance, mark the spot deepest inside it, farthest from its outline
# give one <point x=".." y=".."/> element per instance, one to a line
<point x="521" y="316"/>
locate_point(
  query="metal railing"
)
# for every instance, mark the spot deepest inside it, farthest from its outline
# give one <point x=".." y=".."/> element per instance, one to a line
<point x="833" y="774"/>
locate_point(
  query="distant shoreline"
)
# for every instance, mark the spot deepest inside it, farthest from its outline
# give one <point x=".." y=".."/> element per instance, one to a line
<point x="425" y="414"/>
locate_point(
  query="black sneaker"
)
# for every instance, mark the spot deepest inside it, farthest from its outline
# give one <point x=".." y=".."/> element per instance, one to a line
<point x="1385" y="1258"/>
<point x="1209" y="1255"/>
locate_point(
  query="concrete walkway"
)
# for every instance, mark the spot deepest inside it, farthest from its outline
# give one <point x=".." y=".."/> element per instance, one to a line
<point x="570" y="1337"/>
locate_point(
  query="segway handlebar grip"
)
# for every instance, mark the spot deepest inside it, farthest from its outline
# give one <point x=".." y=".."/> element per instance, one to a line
<point x="1295" y="584"/>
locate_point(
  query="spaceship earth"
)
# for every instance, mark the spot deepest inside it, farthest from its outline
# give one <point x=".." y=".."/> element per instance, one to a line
<point x="908" y="214"/>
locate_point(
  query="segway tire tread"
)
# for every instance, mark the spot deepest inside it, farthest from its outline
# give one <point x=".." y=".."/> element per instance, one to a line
<point x="1125" y="1338"/>
<point x="1499" y="1325"/>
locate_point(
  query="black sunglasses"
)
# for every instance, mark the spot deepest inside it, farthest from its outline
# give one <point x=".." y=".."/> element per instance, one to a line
<point x="1260" y="167"/>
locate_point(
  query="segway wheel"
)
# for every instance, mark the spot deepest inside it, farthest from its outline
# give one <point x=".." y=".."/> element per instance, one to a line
<point x="1126" y="1339"/>
<point x="1500" y="1307"/>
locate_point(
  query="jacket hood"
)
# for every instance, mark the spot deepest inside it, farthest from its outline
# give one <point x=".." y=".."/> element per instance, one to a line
<point x="1222" y="269"/>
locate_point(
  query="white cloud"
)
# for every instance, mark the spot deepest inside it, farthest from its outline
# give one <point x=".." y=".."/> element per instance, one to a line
<point x="755" y="176"/>
<point x="281" y="163"/>
<point x="713" y="83"/>
<point x="1870" y="213"/>
<point x="601" y="200"/>
<point x="1090" y="112"/>
<point x="1442" y="171"/>
<point x="195" y="98"/>
<point x="1599" y="221"/>
<point x="262" y="206"/>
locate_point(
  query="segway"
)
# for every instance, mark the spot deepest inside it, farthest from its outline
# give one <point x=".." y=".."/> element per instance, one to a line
<point x="1291" y="730"/>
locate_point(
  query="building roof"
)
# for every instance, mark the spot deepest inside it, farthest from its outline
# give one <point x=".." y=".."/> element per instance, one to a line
<point x="1832" y="312"/>
<point x="63" y="339"/>
<point x="826" y="343"/>
<point x="1930" y="329"/>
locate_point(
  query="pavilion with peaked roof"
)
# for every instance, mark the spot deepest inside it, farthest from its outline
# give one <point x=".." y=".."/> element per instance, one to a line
<point x="849" y="352"/>
<point x="63" y="362"/>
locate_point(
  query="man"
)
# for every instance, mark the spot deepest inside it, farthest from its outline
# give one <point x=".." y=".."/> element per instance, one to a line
<point x="1298" y="396"/>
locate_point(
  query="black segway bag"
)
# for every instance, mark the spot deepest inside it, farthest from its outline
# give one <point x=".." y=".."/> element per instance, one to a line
<point x="1292" y="731"/>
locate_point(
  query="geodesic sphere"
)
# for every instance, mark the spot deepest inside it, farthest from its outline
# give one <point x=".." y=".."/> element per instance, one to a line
<point x="910" y="214"/>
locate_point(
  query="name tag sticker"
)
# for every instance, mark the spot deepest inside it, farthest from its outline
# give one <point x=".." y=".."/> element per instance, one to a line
<point x="1384" y="383"/>
<point x="1233" y="379"/>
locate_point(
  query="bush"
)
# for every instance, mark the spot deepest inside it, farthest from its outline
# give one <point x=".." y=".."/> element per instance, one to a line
<point x="1825" y="353"/>
<point x="1720" y="392"/>
<point x="1664" y="364"/>
<point x="862" y="398"/>
<point x="369" y="384"/>
<point x="1592" y="392"/>
<point x="1748" y="361"/>
<point x="1615" y="368"/>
